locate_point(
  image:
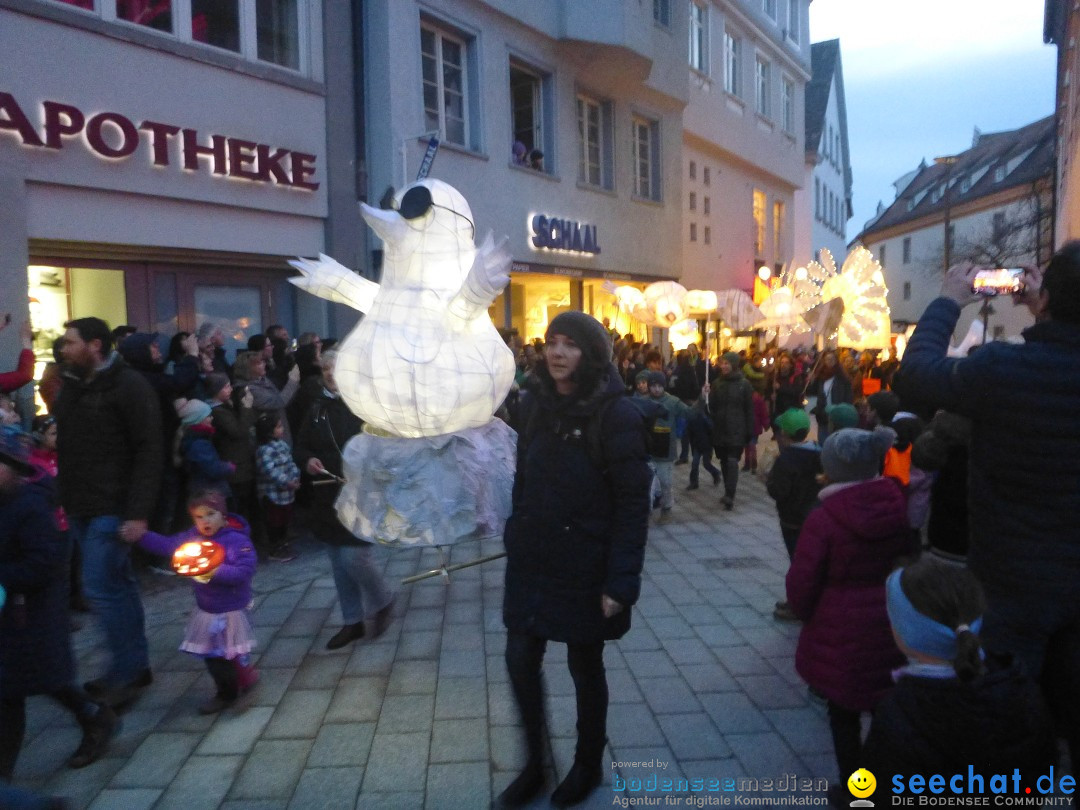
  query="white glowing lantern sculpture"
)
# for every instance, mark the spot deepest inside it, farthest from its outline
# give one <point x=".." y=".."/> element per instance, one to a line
<point x="426" y="360"/>
<point x="866" y="323"/>
<point x="662" y="303"/>
<point x="426" y="370"/>
<point x="782" y="316"/>
<point x="683" y="333"/>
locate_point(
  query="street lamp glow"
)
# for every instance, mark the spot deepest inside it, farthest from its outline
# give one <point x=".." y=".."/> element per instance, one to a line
<point x="800" y="274"/>
<point x="764" y="273"/>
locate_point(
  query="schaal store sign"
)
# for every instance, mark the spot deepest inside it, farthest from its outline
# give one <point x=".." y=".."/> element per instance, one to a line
<point x="116" y="137"/>
<point x="564" y="234"/>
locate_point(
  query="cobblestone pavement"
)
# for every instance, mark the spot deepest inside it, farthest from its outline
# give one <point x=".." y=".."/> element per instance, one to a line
<point x="703" y="686"/>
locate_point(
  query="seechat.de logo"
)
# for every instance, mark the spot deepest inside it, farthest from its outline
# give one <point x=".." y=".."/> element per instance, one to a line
<point x="862" y="784"/>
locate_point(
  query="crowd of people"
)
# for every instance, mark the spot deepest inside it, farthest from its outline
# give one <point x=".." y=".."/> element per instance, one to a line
<point x="130" y="436"/>
<point x="929" y="519"/>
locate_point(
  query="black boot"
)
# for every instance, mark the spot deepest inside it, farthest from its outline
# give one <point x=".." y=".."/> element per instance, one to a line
<point x="527" y="786"/>
<point x="583" y="779"/>
<point x="97" y="730"/>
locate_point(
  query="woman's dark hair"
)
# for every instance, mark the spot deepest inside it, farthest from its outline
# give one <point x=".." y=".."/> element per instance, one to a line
<point x="176" y="351"/>
<point x="307" y="360"/>
<point x="264" y="427"/>
<point x="256" y="343"/>
<point x="950" y="595"/>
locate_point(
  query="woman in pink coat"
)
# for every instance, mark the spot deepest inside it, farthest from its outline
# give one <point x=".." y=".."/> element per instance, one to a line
<point x="836" y="584"/>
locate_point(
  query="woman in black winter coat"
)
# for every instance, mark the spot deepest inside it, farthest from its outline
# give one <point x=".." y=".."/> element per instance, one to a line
<point x="35" y="648"/>
<point x="575" y="541"/>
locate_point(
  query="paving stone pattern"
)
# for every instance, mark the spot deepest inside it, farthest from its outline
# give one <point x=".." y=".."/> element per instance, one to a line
<point x="703" y="686"/>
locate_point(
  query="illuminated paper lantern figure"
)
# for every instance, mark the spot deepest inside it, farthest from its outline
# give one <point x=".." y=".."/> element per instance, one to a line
<point x="426" y="360"/>
<point x="198" y="558"/>
<point x="662" y="303"/>
<point x="426" y="370"/>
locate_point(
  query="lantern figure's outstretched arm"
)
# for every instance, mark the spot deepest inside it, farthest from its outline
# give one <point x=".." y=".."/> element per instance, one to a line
<point x="489" y="274"/>
<point x="327" y="279"/>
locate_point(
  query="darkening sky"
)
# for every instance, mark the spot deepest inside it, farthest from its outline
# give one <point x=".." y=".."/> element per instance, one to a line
<point x="920" y="75"/>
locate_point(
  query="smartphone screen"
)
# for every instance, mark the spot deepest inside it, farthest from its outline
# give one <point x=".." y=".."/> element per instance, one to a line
<point x="1002" y="281"/>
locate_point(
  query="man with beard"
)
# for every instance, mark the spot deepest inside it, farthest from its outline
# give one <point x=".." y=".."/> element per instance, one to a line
<point x="109" y="445"/>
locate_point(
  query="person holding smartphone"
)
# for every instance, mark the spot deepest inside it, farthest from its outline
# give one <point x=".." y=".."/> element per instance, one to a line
<point x="1024" y="466"/>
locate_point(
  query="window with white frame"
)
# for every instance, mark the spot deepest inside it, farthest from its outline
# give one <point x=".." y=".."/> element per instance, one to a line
<point x="759" y="222"/>
<point x="693" y="231"/>
<point x="793" y="20"/>
<point x="699" y="30"/>
<point x="661" y="11"/>
<point x="761" y="82"/>
<point x="732" y="66"/>
<point x="706" y="235"/>
<point x="594" y="142"/>
<point x="443" y="57"/>
<point x="881" y="255"/>
<point x="528" y="90"/>
<point x="693" y="201"/>
<point x="271" y="31"/>
<point x="692" y="170"/>
<point x="706" y="206"/>
<point x="769" y="7"/>
<point x="646" y="142"/>
<point x="706" y="175"/>
<point x="787" y="104"/>
<point x="907" y="290"/>
<point x="906" y="250"/>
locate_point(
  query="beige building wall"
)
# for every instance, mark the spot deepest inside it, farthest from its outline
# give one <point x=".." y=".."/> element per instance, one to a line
<point x="742" y="147"/>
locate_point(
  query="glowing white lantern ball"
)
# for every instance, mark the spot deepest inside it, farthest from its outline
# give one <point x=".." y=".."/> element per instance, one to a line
<point x="704" y="301"/>
<point x="764" y="273"/>
<point x="665" y="303"/>
<point x="800" y="274"/>
<point x="683" y="333"/>
<point x="426" y="359"/>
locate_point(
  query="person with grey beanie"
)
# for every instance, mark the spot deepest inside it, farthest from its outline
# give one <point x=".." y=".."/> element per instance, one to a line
<point x="848" y="545"/>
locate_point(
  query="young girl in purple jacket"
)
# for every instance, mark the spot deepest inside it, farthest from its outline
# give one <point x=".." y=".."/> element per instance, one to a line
<point x="219" y="630"/>
<point x="836" y="585"/>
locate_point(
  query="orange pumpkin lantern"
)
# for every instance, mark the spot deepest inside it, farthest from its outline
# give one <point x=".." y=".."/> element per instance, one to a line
<point x="197" y="558"/>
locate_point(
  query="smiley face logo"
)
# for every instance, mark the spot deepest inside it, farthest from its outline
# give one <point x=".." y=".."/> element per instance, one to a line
<point x="862" y="783"/>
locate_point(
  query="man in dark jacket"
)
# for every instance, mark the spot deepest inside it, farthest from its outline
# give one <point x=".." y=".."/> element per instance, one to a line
<point x="731" y="406"/>
<point x="1024" y="469"/>
<point x="362" y="591"/>
<point x="109" y="444"/>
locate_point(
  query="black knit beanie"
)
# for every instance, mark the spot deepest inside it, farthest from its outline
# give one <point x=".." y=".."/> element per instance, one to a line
<point x="593" y="340"/>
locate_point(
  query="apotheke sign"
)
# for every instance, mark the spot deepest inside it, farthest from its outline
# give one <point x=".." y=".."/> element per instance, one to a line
<point x="116" y="137"/>
<point x="552" y="233"/>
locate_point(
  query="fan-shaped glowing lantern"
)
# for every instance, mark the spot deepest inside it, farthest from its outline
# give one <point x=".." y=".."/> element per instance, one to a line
<point x="197" y="558"/>
<point x="426" y="370"/>
<point x="781" y="315"/>
<point x="866" y="322"/>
